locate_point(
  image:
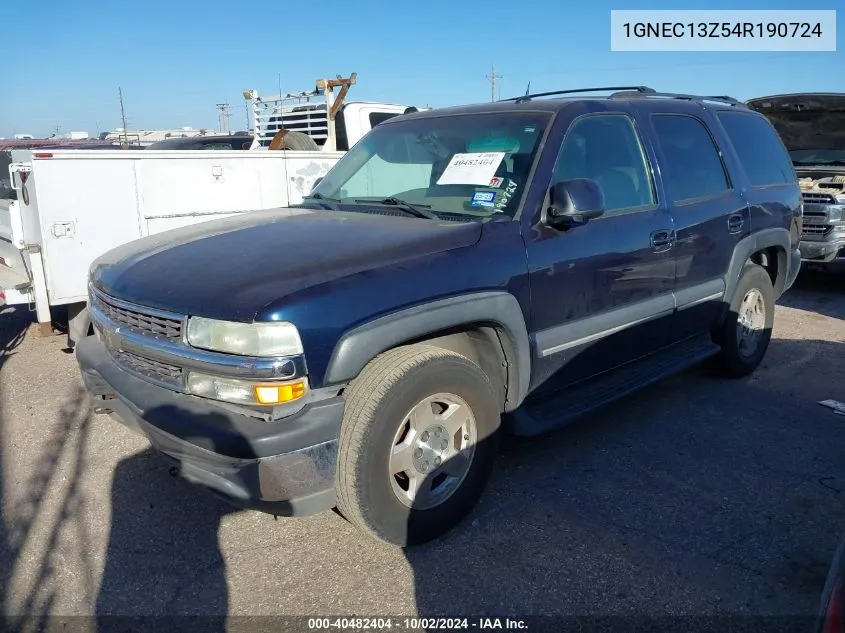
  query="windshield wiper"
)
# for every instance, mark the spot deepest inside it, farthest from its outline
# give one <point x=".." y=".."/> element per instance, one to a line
<point x="819" y="163"/>
<point x="324" y="199"/>
<point x="418" y="210"/>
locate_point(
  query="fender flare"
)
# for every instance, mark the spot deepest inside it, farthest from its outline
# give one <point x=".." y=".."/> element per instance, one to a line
<point x="360" y="345"/>
<point x="751" y="244"/>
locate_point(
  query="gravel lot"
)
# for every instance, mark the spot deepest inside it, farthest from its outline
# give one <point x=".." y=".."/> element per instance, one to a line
<point x="697" y="496"/>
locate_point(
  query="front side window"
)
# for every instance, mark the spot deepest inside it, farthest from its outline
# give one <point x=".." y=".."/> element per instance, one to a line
<point x="693" y="168"/>
<point x="470" y="165"/>
<point x="607" y="149"/>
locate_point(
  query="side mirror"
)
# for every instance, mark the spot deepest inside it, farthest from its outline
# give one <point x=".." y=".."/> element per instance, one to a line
<point x="574" y="202"/>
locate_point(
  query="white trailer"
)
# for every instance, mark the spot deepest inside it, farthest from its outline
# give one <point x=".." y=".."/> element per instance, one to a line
<point x="74" y="205"/>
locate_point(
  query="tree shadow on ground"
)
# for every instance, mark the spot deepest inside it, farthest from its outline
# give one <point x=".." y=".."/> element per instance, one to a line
<point x="47" y="507"/>
<point x="162" y="562"/>
<point x="12" y="332"/>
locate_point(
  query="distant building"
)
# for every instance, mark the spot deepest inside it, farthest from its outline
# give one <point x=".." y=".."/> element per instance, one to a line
<point x="24" y="137"/>
<point x="146" y="137"/>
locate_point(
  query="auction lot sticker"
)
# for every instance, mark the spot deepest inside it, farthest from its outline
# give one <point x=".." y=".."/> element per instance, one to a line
<point x="775" y="30"/>
<point x="475" y="168"/>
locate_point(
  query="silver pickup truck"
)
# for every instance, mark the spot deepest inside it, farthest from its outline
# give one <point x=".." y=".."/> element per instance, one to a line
<point x="812" y="127"/>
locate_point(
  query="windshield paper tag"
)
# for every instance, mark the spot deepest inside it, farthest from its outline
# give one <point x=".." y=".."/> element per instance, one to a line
<point x="471" y="169"/>
<point x="483" y="199"/>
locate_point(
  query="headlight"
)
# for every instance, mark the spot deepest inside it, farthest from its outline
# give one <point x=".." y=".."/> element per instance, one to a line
<point x="245" y="391"/>
<point x="244" y="339"/>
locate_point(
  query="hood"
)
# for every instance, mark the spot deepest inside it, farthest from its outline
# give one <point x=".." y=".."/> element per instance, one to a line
<point x="812" y="121"/>
<point x="231" y="268"/>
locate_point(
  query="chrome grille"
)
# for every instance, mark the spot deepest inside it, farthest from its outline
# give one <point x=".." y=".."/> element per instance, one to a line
<point x="153" y="369"/>
<point x="816" y="213"/>
<point x="818" y="198"/>
<point x="138" y="318"/>
<point x="816" y="230"/>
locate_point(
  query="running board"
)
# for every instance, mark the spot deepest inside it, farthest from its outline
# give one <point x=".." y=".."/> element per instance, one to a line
<point x="572" y="403"/>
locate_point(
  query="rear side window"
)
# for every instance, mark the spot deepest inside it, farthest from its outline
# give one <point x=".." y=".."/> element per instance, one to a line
<point x="759" y="148"/>
<point x="693" y="168"/>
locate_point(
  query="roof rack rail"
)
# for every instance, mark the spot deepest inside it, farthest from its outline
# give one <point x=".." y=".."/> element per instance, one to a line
<point x="528" y="97"/>
<point x="627" y="94"/>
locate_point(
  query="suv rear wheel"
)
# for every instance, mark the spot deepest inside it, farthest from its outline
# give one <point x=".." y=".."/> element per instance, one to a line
<point x="748" y="329"/>
<point x="417" y="444"/>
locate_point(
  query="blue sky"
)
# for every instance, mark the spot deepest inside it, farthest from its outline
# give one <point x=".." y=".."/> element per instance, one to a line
<point x="176" y="59"/>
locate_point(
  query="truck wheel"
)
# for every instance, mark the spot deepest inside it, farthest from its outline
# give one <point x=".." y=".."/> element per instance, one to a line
<point x="300" y="142"/>
<point x="417" y="444"/>
<point x="748" y="328"/>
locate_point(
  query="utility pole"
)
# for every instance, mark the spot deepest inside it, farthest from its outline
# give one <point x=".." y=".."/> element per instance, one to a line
<point x="57" y="128"/>
<point x="493" y="77"/>
<point x="224" y="117"/>
<point x="122" y="114"/>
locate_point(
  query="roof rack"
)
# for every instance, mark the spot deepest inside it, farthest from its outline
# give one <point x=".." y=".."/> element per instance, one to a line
<point x="628" y="94"/>
<point x="528" y="97"/>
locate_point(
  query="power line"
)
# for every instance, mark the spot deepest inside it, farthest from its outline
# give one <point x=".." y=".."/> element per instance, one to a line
<point x="223" y="119"/>
<point x="492" y="77"/>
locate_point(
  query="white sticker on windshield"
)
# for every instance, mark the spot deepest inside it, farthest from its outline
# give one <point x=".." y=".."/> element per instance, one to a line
<point x="471" y="169"/>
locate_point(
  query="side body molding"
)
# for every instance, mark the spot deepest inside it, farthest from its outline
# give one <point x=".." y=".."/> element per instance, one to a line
<point x="593" y="328"/>
<point x="358" y="346"/>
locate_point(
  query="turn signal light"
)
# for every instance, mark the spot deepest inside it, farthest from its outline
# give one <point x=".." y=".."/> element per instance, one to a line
<point x="279" y="394"/>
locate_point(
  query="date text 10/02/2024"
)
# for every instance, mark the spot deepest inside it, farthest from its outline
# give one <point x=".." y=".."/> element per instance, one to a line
<point x="357" y="623"/>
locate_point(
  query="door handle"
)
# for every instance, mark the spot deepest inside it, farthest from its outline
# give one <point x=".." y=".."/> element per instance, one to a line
<point x="735" y="223"/>
<point x="662" y="240"/>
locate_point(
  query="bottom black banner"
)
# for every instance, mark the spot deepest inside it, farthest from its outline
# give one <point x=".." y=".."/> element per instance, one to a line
<point x="399" y="624"/>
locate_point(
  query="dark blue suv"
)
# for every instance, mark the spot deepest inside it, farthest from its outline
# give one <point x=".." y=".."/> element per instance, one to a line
<point x="459" y="273"/>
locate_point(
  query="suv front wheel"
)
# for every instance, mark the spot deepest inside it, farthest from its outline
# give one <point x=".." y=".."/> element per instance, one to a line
<point x="417" y="444"/>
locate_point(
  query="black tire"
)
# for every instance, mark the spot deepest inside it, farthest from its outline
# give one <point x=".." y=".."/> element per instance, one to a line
<point x="735" y="361"/>
<point x="377" y="403"/>
<point x="300" y="142"/>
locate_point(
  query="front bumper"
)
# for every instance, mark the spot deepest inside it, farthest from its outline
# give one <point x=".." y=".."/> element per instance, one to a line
<point x="284" y="467"/>
<point x="823" y="252"/>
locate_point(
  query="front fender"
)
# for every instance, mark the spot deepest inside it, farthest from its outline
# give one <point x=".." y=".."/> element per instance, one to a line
<point x="360" y="345"/>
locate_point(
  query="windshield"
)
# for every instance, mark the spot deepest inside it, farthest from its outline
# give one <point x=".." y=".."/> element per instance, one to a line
<point x="818" y="156"/>
<point x="472" y="165"/>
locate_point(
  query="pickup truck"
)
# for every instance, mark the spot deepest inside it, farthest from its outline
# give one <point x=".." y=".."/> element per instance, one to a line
<point x="459" y="274"/>
<point x="812" y="126"/>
